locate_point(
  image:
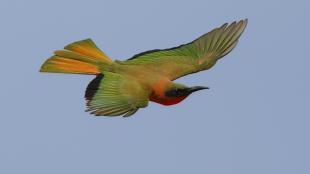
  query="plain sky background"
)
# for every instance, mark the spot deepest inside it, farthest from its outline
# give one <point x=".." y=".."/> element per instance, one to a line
<point x="254" y="120"/>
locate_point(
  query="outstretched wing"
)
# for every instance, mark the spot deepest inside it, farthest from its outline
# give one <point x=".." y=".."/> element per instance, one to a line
<point x="201" y="54"/>
<point x="113" y="95"/>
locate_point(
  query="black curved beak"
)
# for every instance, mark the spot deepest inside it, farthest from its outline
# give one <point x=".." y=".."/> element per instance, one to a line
<point x="197" y="88"/>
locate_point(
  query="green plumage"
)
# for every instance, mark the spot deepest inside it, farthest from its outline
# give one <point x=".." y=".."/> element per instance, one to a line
<point x="117" y="95"/>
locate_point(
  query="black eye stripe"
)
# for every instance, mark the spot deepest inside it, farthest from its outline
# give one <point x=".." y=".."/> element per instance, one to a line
<point x="175" y="92"/>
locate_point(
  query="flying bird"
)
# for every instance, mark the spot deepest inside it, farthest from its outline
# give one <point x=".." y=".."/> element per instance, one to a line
<point x="120" y="88"/>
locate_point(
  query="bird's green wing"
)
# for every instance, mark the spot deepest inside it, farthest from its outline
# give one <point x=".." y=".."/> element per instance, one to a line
<point x="112" y="94"/>
<point x="200" y="54"/>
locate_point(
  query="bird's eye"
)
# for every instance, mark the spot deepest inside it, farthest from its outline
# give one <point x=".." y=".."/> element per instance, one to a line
<point x="177" y="91"/>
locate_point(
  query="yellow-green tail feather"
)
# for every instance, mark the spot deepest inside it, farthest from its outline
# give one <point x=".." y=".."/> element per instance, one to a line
<point x="81" y="57"/>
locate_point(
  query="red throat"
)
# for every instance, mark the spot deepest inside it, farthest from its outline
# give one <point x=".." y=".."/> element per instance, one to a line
<point x="167" y="101"/>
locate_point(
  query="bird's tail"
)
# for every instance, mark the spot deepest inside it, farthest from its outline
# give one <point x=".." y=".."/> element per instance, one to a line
<point x="81" y="57"/>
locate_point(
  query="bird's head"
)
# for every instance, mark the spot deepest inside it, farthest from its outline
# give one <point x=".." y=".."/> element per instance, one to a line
<point x="175" y="93"/>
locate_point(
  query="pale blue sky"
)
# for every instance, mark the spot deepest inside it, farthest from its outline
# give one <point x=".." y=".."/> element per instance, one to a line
<point x="254" y="119"/>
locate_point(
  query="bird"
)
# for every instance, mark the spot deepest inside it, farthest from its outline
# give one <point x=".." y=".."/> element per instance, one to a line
<point x="121" y="88"/>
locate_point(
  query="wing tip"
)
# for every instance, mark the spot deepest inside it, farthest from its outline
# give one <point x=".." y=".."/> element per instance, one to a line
<point x="243" y="23"/>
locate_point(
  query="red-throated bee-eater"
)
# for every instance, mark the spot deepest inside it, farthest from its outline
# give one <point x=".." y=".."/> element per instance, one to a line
<point x="122" y="87"/>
